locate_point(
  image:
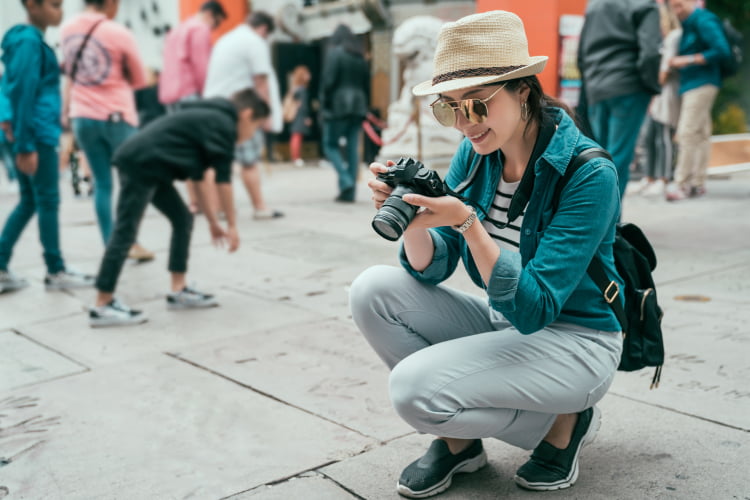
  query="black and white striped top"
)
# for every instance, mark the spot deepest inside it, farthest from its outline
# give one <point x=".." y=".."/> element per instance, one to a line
<point x="508" y="237"/>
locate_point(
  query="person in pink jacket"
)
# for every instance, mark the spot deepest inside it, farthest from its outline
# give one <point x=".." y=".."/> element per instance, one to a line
<point x="187" y="49"/>
<point x="103" y="68"/>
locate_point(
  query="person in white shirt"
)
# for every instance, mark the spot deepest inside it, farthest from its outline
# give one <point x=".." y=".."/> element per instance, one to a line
<point x="242" y="58"/>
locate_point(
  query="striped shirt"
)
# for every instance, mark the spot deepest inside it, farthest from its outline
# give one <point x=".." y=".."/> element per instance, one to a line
<point x="507" y="238"/>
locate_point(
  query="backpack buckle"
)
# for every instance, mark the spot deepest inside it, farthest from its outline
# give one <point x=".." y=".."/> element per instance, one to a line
<point x="609" y="294"/>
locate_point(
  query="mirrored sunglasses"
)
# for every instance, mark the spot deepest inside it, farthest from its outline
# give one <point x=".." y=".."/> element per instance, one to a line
<point x="475" y="110"/>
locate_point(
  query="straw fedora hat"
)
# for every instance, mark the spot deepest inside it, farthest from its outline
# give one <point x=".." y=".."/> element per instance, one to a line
<point x="480" y="49"/>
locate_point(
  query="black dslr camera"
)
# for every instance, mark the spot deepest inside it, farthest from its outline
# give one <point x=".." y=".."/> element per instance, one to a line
<point x="407" y="176"/>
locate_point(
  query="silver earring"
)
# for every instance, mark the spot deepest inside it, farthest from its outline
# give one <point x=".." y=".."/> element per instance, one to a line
<point x="525" y="113"/>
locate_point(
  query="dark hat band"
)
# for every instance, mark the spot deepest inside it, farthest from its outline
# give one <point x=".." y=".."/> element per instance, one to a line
<point x="466" y="73"/>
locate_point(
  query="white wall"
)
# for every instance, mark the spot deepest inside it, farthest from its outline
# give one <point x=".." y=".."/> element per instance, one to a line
<point x="149" y="44"/>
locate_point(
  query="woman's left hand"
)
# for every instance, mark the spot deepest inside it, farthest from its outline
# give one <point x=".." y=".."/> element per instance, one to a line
<point x="437" y="212"/>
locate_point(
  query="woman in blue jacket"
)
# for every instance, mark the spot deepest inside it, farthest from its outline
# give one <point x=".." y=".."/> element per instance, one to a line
<point x="527" y="363"/>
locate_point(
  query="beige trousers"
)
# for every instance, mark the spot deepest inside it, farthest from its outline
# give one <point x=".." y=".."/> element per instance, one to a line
<point x="694" y="135"/>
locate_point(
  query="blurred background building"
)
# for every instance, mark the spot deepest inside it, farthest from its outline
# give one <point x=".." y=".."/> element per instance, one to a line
<point x="304" y="26"/>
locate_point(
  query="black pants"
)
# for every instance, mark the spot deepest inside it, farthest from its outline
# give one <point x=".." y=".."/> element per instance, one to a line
<point x="135" y="195"/>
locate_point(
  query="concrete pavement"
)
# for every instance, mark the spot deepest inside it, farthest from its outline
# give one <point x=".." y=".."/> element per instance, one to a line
<point x="275" y="395"/>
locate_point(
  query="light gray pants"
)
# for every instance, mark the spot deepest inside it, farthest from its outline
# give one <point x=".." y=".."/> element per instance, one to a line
<point x="461" y="370"/>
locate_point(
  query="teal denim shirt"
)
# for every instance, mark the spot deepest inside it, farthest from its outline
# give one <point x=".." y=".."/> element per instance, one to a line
<point x="546" y="280"/>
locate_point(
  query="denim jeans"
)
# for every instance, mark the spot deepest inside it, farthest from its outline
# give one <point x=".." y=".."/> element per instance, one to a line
<point x="657" y="149"/>
<point x="40" y="195"/>
<point x="333" y="130"/>
<point x="99" y="139"/>
<point x="616" y="122"/>
<point x="135" y="195"/>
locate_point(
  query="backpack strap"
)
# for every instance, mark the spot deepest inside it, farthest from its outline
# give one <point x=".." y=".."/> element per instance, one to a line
<point x="79" y="53"/>
<point x="609" y="288"/>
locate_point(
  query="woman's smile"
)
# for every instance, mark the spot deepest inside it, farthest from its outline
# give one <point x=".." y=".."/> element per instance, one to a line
<point x="478" y="137"/>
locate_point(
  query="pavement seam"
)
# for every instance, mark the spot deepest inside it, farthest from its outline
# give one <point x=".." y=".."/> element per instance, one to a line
<point x="267" y="395"/>
<point x="680" y="412"/>
<point x="701" y="274"/>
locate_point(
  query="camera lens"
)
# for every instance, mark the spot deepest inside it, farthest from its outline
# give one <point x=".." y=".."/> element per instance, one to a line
<point x="395" y="214"/>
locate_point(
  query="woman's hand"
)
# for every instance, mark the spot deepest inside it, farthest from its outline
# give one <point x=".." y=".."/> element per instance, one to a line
<point x="27" y="163"/>
<point x="437" y="212"/>
<point x="380" y="190"/>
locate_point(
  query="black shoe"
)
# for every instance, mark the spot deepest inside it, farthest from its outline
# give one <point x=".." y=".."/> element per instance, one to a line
<point x="346" y="196"/>
<point x="551" y="468"/>
<point x="433" y="473"/>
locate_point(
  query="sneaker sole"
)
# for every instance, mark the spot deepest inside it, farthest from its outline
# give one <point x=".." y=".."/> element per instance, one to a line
<point x="470" y="465"/>
<point x="107" y="322"/>
<point x="13" y="288"/>
<point x="588" y="438"/>
<point x="183" y="307"/>
<point x="52" y="288"/>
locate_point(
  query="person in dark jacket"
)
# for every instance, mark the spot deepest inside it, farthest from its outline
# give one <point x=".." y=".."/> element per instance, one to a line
<point x="344" y="97"/>
<point x="618" y="56"/>
<point x="178" y="146"/>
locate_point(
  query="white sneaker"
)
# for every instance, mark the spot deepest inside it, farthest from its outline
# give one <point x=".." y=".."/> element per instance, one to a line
<point x="190" y="298"/>
<point x="68" y="279"/>
<point x="9" y="282"/>
<point x="115" y="314"/>
<point x="634" y="188"/>
<point x="299" y="163"/>
<point x="655" y="188"/>
<point x="674" y="192"/>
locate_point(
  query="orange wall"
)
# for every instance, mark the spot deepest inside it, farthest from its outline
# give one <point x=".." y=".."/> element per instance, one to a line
<point x="541" y="19"/>
<point x="237" y="11"/>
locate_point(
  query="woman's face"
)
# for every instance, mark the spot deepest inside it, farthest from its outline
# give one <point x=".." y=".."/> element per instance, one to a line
<point x="503" y="121"/>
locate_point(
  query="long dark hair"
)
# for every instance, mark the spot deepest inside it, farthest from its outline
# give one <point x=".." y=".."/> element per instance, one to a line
<point x="537" y="99"/>
<point x="343" y="37"/>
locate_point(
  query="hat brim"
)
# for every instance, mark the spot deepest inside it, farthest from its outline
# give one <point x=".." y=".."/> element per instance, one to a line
<point x="427" y="88"/>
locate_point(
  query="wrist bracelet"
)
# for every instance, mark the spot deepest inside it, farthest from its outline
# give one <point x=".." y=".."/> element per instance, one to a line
<point x="468" y="222"/>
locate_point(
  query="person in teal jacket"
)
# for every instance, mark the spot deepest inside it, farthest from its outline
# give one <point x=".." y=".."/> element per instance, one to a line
<point x="702" y="47"/>
<point x="527" y="362"/>
<point x="31" y="83"/>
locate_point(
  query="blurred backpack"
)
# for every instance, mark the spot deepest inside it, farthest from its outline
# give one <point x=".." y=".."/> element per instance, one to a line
<point x="729" y="66"/>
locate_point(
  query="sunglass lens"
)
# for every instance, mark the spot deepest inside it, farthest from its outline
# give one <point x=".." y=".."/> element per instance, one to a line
<point x="444" y="114"/>
<point x="474" y="110"/>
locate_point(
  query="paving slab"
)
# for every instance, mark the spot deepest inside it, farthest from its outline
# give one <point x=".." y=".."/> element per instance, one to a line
<point x="705" y="371"/>
<point x="166" y="331"/>
<point x="325" y="368"/>
<point x="34" y="305"/>
<point x="691" y="459"/>
<point x="310" y="486"/>
<point x="160" y="428"/>
<point x="24" y="362"/>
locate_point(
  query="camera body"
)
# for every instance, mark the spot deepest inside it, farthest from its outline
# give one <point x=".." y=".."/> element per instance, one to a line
<point x="406" y="176"/>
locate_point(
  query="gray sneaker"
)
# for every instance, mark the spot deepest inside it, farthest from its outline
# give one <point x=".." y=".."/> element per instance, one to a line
<point x="68" y="279"/>
<point x="9" y="282"/>
<point x="190" y="298"/>
<point x="115" y="314"/>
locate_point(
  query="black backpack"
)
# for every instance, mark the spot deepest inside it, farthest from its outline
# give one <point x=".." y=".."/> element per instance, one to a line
<point x="635" y="259"/>
<point x="729" y="66"/>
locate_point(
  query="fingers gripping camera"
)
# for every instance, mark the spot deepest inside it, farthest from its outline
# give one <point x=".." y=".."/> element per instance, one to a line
<point x="406" y="177"/>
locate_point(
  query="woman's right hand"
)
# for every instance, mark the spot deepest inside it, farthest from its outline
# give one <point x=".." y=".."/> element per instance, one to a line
<point x="380" y="190"/>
